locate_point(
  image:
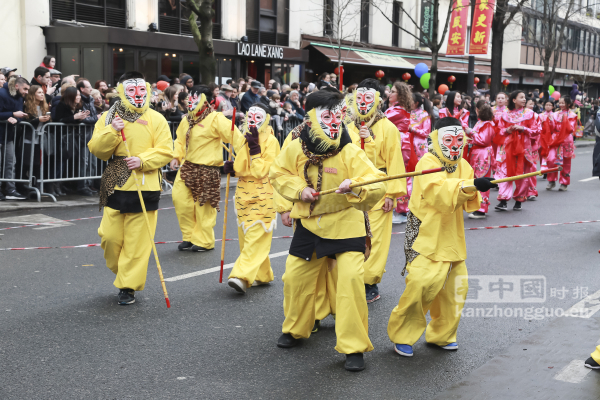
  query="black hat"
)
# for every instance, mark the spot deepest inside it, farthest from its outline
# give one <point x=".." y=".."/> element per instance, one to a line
<point x="256" y="84"/>
<point x="164" y="78"/>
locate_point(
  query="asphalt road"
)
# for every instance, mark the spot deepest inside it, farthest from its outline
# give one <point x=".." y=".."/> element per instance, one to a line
<point x="64" y="336"/>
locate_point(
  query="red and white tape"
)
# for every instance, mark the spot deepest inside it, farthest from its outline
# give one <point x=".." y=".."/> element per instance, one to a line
<point x="289" y="237"/>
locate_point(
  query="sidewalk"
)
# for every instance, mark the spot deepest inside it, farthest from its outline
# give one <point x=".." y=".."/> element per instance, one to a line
<point x="75" y="200"/>
<point x="585" y="142"/>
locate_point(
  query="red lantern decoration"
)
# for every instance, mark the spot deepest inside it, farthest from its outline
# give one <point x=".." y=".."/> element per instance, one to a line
<point x="451" y="80"/>
<point x="476" y="80"/>
<point x="505" y="82"/>
<point x="442" y="89"/>
<point x="489" y="81"/>
<point x="406" y="77"/>
<point x="337" y="70"/>
<point x="541" y="74"/>
<point x="379" y="74"/>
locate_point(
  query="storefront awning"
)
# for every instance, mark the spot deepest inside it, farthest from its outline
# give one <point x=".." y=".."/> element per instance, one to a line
<point x="383" y="59"/>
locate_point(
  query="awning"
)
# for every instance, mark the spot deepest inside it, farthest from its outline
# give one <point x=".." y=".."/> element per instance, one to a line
<point x="383" y="59"/>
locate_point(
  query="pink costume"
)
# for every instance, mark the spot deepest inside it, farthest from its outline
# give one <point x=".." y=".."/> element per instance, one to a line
<point x="460" y="114"/>
<point x="535" y="147"/>
<point x="515" y="152"/>
<point x="479" y="154"/>
<point x="561" y="154"/>
<point x="402" y="119"/>
<point x="497" y="115"/>
<point x="545" y="116"/>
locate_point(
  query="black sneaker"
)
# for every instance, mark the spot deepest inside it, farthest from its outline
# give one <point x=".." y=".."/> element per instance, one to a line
<point x="372" y="292"/>
<point x="126" y="296"/>
<point x="14" y="195"/>
<point x="501" y="206"/>
<point x="286" y="340"/>
<point x="184" y="246"/>
<point x="591" y="363"/>
<point x="354" y="362"/>
<point x="517" y="206"/>
<point x="316" y="327"/>
<point x="199" y="248"/>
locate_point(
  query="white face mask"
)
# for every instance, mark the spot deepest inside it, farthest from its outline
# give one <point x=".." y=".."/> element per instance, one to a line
<point x="135" y="92"/>
<point x="331" y="120"/>
<point x="256" y="117"/>
<point x="365" y="100"/>
<point x="451" y="141"/>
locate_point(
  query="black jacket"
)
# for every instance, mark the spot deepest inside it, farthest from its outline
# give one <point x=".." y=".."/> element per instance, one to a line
<point x="10" y="101"/>
<point x="64" y="114"/>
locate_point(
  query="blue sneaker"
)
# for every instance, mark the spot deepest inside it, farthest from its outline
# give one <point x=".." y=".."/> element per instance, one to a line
<point x="451" y="346"/>
<point x="404" y="350"/>
<point x="372" y="293"/>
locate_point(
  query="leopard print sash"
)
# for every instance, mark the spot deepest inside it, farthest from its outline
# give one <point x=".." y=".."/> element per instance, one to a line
<point x="204" y="181"/>
<point x="413" y="224"/>
<point x="122" y="111"/>
<point x="115" y="174"/>
<point x="297" y="131"/>
<point x="371" y="122"/>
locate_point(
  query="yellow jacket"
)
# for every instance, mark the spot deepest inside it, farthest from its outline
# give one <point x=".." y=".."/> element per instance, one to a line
<point x="254" y="193"/>
<point x="283" y="205"/>
<point x="438" y="201"/>
<point x="334" y="216"/>
<point x="205" y="140"/>
<point x="388" y="155"/>
<point x="151" y="142"/>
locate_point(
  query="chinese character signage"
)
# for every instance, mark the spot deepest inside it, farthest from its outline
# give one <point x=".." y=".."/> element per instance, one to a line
<point x="458" y="28"/>
<point x="426" y="22"/>
<point x="482" y="23"/>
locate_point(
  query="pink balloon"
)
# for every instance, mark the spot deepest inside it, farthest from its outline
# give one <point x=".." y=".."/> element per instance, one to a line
<point x="555" y="96"/>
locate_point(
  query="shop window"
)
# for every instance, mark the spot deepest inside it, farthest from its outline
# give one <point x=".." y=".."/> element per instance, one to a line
<point x="123" y="61"/>
<point x="225" y="70"/>
<point x="148" y="64"/>
<point x="191" y="66"/>
<point x="173" y="18"/>
<point x="396" y="10"/>
<point x="70" y="62"/>
<point x="364" y="21"/>
<point x="92" y="64"/>
<point x="97" y="12"/>
<point x="169" y="65"/>
<point x="328" y="18"/>
<point x="267" y="21"/>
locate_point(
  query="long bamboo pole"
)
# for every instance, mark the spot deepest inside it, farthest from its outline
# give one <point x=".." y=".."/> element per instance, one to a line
<point x="226" y="205"/>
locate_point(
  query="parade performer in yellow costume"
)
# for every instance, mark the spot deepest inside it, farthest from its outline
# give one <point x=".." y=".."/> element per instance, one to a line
<point x="126" y="246"/>
<point x="388" y="158"/>
<point x="255" y="211"/>
<point x="330" y="226"/>
<point x="325" y="298"/>
<point x="197" y="187"/>
<point x="434" y="243"/>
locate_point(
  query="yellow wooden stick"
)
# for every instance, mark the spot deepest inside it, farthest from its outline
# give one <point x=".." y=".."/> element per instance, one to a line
<point x="528" y="175"/>
<point x="226" y="203"/>
<point x="139" y="190"/>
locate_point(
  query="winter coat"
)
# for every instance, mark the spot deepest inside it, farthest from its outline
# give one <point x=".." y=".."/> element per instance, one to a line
<point x="10" y="101"/>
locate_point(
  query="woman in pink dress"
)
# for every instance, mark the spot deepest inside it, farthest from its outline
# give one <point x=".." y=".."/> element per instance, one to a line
<point x="478" y="152"/>
<point x="562" y="149"/>
<point x="518" y="126"/>
<point x="453" y="109"/>
<point x="399" y="113"/>
<point x="498" y="109"/>
<point x="547" y="123"/>
<point x="532" y="192"/>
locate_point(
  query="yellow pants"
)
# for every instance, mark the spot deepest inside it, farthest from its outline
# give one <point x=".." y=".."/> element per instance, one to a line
<point x="326" y="290"/>
<point x="430" y="286"/>
<point x="124" y="239"/>
<point x="381" y="227"/>
<point x="299" y="291"/>
<point x="596" y="354"/>
<point x="253" y="262"/>
<point x="196" y="222"/>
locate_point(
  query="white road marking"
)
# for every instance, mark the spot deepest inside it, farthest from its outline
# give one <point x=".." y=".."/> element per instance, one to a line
<point x="574" y="372"/>
<point x="216" y="269"/>
<point x="589" y="179"/>
<point x="46" y="221"/>
<point x="584" y="152"/>
<point x="581" y="310"/>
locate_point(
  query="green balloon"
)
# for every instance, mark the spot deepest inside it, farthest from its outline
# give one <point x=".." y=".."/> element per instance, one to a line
<point x="425" y="80"/>
<point x="550" y="89"/>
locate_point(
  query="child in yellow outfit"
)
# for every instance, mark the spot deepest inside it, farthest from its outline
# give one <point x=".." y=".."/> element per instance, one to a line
<point x="122" y="230"/>
<point x="328" y="226"/>
<point x="388" y="158"/>
<point x="255" y="211"/>
<point x="435" y="243"/>
<point x="197" y="187"/>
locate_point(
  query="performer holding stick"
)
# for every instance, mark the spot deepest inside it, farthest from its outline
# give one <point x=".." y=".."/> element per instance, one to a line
<point x="126" y="246"/>
<point x="197" y="187"/>
<point x="255" y="211"/>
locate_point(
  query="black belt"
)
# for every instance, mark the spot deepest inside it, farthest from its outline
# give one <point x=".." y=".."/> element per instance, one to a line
<point x="305" y="243"/>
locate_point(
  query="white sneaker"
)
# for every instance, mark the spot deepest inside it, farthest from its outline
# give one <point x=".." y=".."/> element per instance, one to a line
<point x="477" y="215"/>
<point x="398" y="218"/>
<point x="259" y="283"/>
<point x="238" y="284"/>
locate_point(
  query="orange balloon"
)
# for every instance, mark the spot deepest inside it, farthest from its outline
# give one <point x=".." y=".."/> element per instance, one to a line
<point x="442" y="89"/>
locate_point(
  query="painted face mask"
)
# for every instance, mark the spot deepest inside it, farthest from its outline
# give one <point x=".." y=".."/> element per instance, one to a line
<point x="196" y="103"/>
<point x="256" y="117"/>
<point x="135" y="92"/>
<point x="366" y="101"/>
<point x="330" y="121"/>
<point x="451" y="141"/>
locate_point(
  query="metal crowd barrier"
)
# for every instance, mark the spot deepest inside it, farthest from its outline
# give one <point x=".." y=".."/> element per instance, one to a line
<point x="18" y="161"/>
